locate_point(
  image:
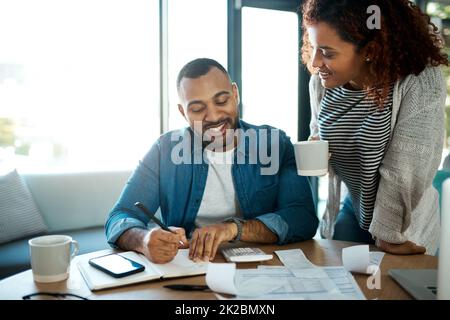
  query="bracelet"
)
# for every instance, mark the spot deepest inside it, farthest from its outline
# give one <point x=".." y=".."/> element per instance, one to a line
<point x="238" y="223"/>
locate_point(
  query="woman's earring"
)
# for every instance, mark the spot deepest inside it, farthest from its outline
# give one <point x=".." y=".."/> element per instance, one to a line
<point x="367" y="59"/>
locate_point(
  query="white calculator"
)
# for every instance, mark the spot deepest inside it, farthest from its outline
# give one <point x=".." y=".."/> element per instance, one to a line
<point x="245" y="255"/>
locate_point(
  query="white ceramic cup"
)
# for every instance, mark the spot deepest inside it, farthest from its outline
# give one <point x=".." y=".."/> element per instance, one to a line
<point x="51" y="256"/>
<point x="311" y="157"/>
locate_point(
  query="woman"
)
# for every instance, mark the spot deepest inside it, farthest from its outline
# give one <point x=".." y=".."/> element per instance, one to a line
<point x="377" y="96"/>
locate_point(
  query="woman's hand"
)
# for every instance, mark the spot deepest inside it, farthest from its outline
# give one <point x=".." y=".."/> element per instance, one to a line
<point x="407" y="247"/>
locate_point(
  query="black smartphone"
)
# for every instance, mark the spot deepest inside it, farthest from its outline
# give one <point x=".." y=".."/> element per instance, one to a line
<point x="116" y="265"/>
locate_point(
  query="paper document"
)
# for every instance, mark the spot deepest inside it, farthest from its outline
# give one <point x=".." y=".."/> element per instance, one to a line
<point x="359" y="259"/>
<point x="299" y="278"/>
<point x="345" y="282"/>
<point x="220" y="277"/>
<point x="296" y="261"/>
<point x="376" y="257"/>
<point x="181" y="265"/>
<point x="224" y="278"/>
<point x="278" y="282"/>
<point x="342" y="279"/>
<point x="284" y="282"/>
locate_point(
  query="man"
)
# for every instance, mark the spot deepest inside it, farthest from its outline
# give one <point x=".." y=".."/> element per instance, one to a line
<point x="215" y="191"/>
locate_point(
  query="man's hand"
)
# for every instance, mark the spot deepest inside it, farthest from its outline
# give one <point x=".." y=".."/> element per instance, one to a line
<point x="205" y="241"/>
<point x="407" y="247"/>
<point x="161" y="246"/>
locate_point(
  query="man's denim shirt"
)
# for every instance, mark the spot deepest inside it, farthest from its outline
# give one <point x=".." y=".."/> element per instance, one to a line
<point x="282" y="201"/>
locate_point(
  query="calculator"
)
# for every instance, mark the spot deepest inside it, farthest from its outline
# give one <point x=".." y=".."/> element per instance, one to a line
<point x="245" y="255"/>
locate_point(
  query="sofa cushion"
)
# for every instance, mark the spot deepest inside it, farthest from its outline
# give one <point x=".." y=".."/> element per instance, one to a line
<point x="19" y="215"/>
<point x="15" y="256"/>
<point x="75" y="200"/>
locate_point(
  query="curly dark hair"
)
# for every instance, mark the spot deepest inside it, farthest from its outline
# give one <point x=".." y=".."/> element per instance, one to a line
<point x="405" y="44"/>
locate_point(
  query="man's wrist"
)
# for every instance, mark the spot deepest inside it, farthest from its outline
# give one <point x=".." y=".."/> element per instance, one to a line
<point x="238" y="224"/>
<point x="233" y="230"/>
<point x="133" y="239"/>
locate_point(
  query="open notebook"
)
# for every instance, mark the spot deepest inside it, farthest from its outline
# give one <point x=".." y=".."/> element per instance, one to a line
<point x="180" y="266"/>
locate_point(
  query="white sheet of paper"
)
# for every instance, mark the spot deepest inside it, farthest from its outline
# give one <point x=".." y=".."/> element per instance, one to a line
<point x="298" y="279"/>
<point x="296" y="261"/>
<point x="310" y="273"/>
<point x="262" y="266"/>
<point x="345" y="282"/>
<point x="256" y="286"/>
<point x="264" y="297"/>
<point x="278" y="284"/>
<point x="220" y="277"/>
<point x="181" y="265"/>
<point x="339" y="285"/>
<point x="359" y="259"/>
<point x="376" y="257"/>
<point x="356" y="258"/>
<point x="224" y="278"/>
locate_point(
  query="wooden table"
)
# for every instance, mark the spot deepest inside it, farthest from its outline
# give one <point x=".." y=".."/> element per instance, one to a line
<point x="320" y="252"/>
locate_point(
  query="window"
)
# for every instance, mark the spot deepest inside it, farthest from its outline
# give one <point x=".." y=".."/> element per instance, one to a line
<point x="79" y="83"/>
<point x="197" y="29"/>
<point x="270" y="63"/>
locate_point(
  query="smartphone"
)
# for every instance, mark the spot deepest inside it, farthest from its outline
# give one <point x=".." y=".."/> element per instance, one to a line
<point x="116" y="265"/>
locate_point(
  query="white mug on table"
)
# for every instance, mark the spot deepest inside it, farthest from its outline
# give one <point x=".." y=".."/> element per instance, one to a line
<point x="51" y="256"/>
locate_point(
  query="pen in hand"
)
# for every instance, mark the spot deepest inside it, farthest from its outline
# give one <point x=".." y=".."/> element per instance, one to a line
<point x="155" y="219"/>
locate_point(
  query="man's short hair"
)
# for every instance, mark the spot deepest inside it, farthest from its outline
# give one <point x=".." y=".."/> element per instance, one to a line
<point x="197" y="68"/>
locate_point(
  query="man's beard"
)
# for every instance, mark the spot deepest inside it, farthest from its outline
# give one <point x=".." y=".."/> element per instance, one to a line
<point x="217" y="140"/>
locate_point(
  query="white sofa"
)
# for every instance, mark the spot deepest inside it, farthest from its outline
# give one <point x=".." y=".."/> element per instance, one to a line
<point x="76" y="204"/>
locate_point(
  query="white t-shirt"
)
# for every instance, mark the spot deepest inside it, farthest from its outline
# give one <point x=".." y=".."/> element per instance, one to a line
<point x="219" y="198"/>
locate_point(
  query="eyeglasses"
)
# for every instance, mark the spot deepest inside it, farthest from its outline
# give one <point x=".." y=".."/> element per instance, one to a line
<point x="53" y="296"/>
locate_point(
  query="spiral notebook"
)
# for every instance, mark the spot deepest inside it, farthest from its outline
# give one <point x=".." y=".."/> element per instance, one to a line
<point x="180" y="266"/>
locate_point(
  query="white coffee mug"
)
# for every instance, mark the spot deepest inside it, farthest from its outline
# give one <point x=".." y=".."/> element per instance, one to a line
<point x="311" y="157"/>
<point x="51" y="256"/>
